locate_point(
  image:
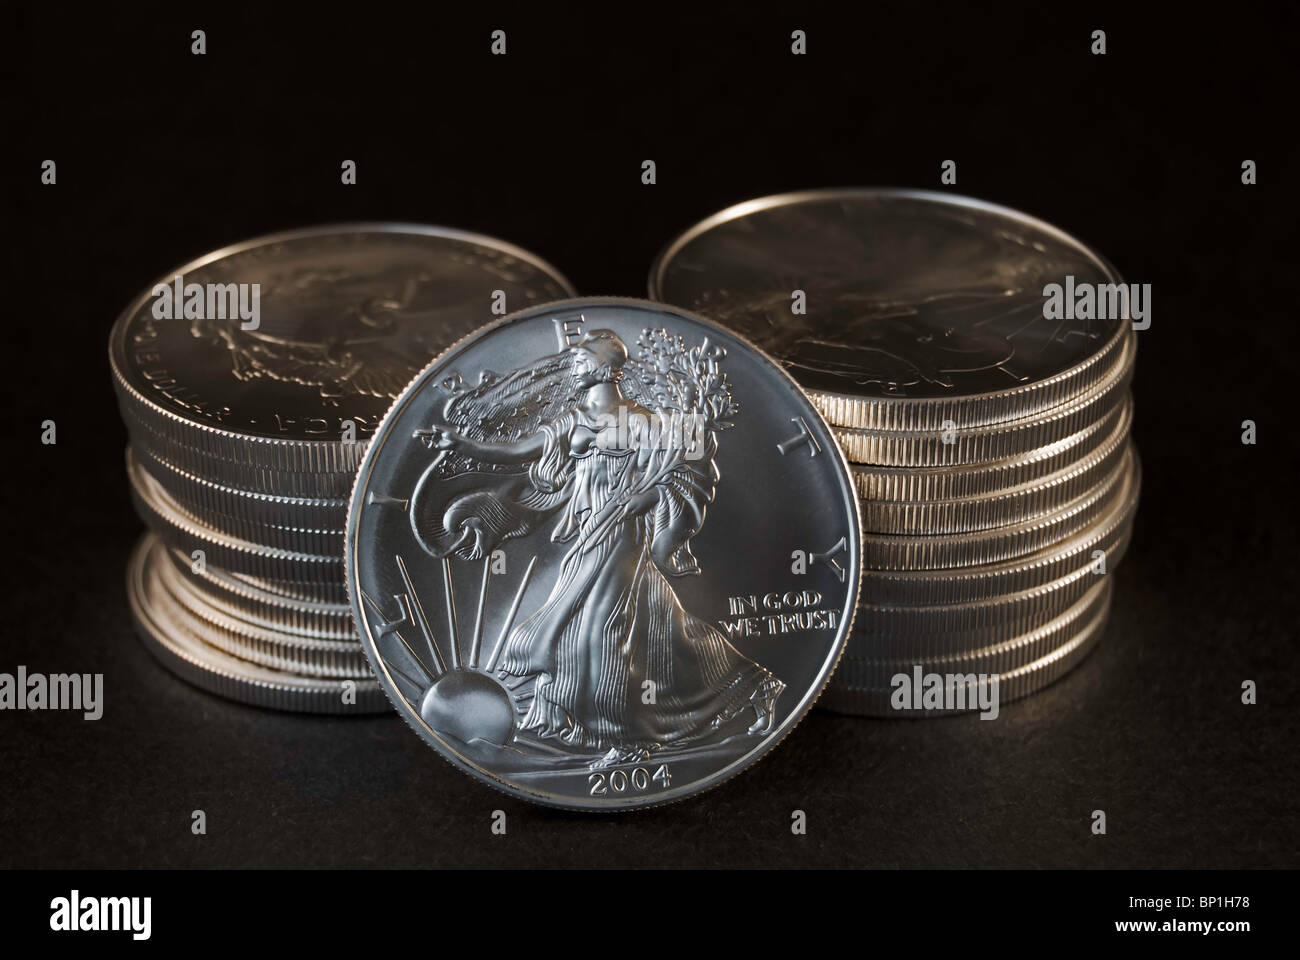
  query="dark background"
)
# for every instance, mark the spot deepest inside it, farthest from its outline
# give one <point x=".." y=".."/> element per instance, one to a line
<point x="163" y="155"/>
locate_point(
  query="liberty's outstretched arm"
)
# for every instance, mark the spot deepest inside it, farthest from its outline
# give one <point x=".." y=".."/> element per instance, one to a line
<point x="518" y="451"/>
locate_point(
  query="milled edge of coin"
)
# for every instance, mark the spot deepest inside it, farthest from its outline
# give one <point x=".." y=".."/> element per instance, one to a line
<point x="1021" y="682"/>
<point x="964" y="550"/>
<point x="966" y="584"/>
<point x="184" y="591"/>
<point x="166" y="518"/>
<point x="325" y="594"/>
<point x="747" y="760"/>
<point x="930" y="619"/>
<point x="1017" y="617"/>
<point x="920" y="413"/>
<point x="993" y="441"/>
<point x="993" y="477"/>
<point x="302" y="484"/>
<point x="1002" y="654"/>
<point x="245" y="601"/>
<point x="277" y="453"/>
<point x="219" y="673"/>
<point x="324" y="659"/>
<point x="205" y="498"/>
<point x="1006" y="614"/>
<point x="1013" y="505"/>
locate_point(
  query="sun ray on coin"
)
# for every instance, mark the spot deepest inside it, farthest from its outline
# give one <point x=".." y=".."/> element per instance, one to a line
<point x="429" y="674"/>
<point x="419" y="688"/>
<point x="390" y="626"/>
<point x="478" y="620"/>
<point x="417" y="608"/>
<point x="451" y="614"/>
<point x="510" y="618"/>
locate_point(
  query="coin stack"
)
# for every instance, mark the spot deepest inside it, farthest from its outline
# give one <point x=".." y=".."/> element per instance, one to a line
<point x="986" y="426"/>
<point x="249" y="381"/>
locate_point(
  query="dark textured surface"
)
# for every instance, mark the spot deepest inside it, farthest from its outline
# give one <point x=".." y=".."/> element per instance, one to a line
<point x="163" y="155"/>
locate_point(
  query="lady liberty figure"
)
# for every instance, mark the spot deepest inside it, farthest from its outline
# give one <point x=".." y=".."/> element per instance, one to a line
<point x="553" y="441"/>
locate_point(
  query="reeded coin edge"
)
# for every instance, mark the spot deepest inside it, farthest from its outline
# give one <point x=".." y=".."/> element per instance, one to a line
<point x="1025" y="681"/>
<point x="902" y="553"/>
<point x="994" y="441"/>
<point x="1104" y="527"/>
<point x="225" y="676"/>
<point x="925" y="484"/>
<point x="855" y="663"/>
<point x="1025" y="501"/>
<point x="148" y="492"/>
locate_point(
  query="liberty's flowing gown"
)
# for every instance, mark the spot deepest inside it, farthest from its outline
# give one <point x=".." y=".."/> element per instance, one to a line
<point x="612" y="620"/>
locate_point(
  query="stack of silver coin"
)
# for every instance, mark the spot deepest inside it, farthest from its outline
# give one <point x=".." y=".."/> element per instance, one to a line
<point x="250" y="381"/>
<point x="985" y="417"/>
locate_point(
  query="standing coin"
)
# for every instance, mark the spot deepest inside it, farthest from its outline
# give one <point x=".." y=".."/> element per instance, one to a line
<point x="603" y="554"/>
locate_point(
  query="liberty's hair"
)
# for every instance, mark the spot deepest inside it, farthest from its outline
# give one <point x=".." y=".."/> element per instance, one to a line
<point x="607" y="352"/>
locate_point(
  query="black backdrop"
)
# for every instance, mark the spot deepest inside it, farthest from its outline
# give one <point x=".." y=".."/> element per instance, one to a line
<point x="163" y="155"/>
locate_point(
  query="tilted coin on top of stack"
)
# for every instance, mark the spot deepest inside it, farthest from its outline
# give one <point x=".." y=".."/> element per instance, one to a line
<point x="250" y="381"/>
<point x="989" y="435"/>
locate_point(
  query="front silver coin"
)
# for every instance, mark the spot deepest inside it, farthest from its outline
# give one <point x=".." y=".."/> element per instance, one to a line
<point x="603" y="554"/>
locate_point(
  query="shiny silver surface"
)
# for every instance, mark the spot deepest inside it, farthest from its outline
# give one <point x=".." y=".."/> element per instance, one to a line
<point x="560" y="607"/>
<point x="312" y="524"/>
<point x="961" y="551"/>
<point x="1014" y="505"/>
<point x="216" y="671"/>
<point x="867" y="672"/>
<point x="348" y="314"/>
<point x="969" y="584"/>
<point x="318" y="576"/>
<point x="1012" y="685"/>
<point x="993" y="441"/>
<point x="995" y="477"/>
<point x="921" y="306"/>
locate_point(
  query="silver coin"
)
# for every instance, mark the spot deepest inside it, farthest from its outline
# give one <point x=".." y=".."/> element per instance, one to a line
<point x="217" y="672"/>
<point x="300" y="483"/>
<point x="347" y="314"/>
<point x="969" y="584"/>
<point x="963" y="550"/>
<point x="1019" y="504"/>
<point x="325" y="594"/>
<point x="277" y="649"/>
<point x="189" y="591"/>
<point x="185" y="533"/>
<point x="992" y="441"/>
<point x="995" y="477"/>
<point x="919" y="307"/>
<point x="252" y="601"/>
<point x="862" y="672"/>
<point x="935" y="633"/>
<point x="1012" y="685"/>
<point x="536" y="581"/>
<point x="942" y="622"/>
<point x="268" y="518"/>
